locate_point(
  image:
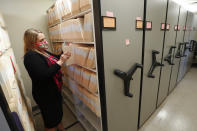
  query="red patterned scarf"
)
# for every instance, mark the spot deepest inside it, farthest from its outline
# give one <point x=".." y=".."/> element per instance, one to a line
<point x="58" y="76"/>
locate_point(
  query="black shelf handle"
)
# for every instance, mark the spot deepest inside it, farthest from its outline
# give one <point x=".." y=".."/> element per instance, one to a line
<point x="192" y="45"/>
<point x="185" y="47"/>
<point x="168" y="58"/>
<point x="181" y="50"/>
<point x="127" y="77"/>
<point x="154" y="64"/>
<point x="178" y="53"/>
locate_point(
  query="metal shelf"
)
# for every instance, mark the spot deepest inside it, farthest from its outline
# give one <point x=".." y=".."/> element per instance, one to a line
<point x="70" y="105"/>
<point x="90" y="116"/>
<point x="83" y="121"/>
<point x="87" y="68"/>
<point x="86" y="124"/>
<point x="81" y="85"/>
<point x="87" y="113"/>
<point x="87" y="43"/>
<point x="72" y="17"/>
<point x="68" y="94"/>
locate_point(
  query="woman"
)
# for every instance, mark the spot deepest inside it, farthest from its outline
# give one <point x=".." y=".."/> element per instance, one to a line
<point x="44" y="70"/>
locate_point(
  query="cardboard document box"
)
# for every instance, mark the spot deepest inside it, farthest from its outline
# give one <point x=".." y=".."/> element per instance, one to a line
<point x="79" y="29"/>
<point x="49" y="13"/>
<point x="81" y="54"/>
<point x="85" y="78"/>
<point x="89" y="99"/>
<point x="69" y="32"/>
<point x="64" y="69"/>
<point x="85" y="96"/>
<point x="88" y="28"/>
<point x="59" y="35"/>
<point x="67" y="8"/>
<point x="85" y="5"/>
<point x="75" y="6"/>
<point x="69" y="48"/>
<point x="65" y="81"/>
<point x="93" y="84"/>
<point x="70" y="70"/>
<point x="91" y="59"/>
<point x="77" y="74"/>
<point x="50" y="34"/>
<point x="64" y="30"/>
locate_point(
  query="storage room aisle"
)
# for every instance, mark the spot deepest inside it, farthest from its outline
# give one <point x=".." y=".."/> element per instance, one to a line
<point x="69" y="121"/>
<point x="178" y="112"/>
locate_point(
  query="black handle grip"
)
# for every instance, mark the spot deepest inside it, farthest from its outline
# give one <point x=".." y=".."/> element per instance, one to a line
<point x="120" y="73"/>
<point x="127" y="77"/>
<point x="168" y="58"/>
<point x="181" y="51"/>
<point x="192" y="45"/>
<point x="154" y="64"/>
<point x="155" y="52"/>
<point x="185" y="47"/>
<point x="178" y="53"/>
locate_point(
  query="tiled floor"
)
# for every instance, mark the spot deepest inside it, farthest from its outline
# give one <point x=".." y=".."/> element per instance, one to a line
<point x="179" y="110"/>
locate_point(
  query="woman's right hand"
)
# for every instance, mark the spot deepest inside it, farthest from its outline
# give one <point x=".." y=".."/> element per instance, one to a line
<point x="63" y="58"/>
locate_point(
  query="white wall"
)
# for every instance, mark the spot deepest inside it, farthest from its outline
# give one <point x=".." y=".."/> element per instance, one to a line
<point x="20" y="15"/>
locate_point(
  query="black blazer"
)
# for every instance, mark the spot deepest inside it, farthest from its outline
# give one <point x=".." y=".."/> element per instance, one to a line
<point x="44" y="88"/>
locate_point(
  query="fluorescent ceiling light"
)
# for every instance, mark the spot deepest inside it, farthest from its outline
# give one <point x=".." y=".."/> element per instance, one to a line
<point x="190" y="5"/>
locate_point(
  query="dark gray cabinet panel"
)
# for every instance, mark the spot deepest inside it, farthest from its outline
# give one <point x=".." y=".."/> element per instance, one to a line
<point x="122" y="111"/>
<point x="170" y="41"/>
<point x="180" y="39"/>
<point x="156" y="12"/>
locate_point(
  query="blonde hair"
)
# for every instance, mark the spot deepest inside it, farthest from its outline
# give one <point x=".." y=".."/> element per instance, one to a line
<point x="30" y="38"/>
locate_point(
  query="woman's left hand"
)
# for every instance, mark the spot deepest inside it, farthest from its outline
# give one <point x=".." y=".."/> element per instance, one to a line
<point x="67" y="54"/>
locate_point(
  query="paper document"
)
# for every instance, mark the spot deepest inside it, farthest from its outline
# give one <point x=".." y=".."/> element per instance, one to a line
<point x="69" y="48"/>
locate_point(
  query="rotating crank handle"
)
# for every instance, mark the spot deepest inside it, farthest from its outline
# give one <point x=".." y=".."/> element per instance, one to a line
<point x="127" y="77"/>
<point x="178" y="53"/>
<point x="134" y="68"/>
<point x="120" y="73"/>
<point x="191" y="45"/>
<point x="159" y="64"/>
<point x="185" y="48"/>
<point x="168" y="58"/>
<point x="177" y="56"/>
<point x="154" y="64"/>
<point x="150" y="73"/>
<point x="173" y="47"/>
<point x="155" y="52"/>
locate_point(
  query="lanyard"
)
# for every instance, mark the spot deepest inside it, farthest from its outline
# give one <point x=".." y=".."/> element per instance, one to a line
<point x="46" y="55"/>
